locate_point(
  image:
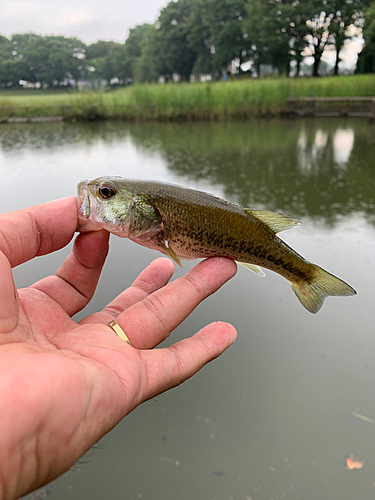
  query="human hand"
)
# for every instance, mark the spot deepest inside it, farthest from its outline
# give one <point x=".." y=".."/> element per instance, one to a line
<point x="64" y="385"/>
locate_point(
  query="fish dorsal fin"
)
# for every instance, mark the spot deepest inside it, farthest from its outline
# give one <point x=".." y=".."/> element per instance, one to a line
<point x="252" y="267"/>
<point x="275" y="221"/>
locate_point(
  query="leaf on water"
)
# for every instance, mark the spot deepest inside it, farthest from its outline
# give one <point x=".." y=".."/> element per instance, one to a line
<point x="362" y="417"/>
<point x="352" y="463"/>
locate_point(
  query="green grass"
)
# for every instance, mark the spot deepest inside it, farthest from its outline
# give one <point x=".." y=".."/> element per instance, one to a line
<point x="242" y="98"/>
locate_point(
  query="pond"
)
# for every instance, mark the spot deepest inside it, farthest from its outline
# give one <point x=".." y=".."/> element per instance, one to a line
<point x="276" y="415"/>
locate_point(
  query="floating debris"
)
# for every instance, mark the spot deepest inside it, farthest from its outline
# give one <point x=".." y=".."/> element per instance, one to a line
<point x="352" y="463"/>
<point x="362" y="417"/>
<point x="218" y="473"/>
<point x="44" y="493"/>
<point x="170" y="460"/>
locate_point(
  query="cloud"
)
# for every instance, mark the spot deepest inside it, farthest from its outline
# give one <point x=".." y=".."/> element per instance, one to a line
<point x="11" y="8"/>
<point x="41" y="13"/>
<point x="77" y="18"/>
<point x="40" y="16"/>
<point x="89" y="20"/>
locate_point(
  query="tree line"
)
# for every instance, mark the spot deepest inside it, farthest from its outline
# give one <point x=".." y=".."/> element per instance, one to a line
<point x="195" y="37"/>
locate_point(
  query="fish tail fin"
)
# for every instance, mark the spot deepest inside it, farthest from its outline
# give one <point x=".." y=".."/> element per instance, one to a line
<point x="311" y="294"/>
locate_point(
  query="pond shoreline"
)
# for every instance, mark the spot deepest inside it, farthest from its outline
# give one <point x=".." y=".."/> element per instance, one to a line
<point x="285" y="113"/>
<point x="209" y="101"/>
<point x="34" y="119"/>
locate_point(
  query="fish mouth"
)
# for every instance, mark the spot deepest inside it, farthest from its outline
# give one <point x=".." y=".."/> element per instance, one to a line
<point x="84" y="207"/>
<point x="87" y="208"/>
<point x="83" y="198"/>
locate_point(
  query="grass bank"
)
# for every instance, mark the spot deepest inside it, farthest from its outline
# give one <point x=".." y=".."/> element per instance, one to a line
<point x="183" y="101"/>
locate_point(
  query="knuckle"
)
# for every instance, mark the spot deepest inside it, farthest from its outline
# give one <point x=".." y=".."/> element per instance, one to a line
<point x="179" y="364"/>
<point x="155" y="306"/>
<point x="197" y="284"/>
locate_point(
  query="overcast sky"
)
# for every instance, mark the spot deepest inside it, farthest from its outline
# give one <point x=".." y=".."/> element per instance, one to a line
<point x="89" y="20"/>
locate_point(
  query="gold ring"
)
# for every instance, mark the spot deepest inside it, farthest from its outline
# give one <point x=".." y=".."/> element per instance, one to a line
<point x="119" y="331"/>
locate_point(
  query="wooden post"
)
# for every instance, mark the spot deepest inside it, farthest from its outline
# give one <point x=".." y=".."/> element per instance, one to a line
<point x="347" y="104"/>
<point x="372" y="114"/>
<point x="313" y="108"/>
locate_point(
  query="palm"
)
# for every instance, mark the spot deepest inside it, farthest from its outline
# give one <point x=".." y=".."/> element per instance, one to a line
<point x="81" y="378"/>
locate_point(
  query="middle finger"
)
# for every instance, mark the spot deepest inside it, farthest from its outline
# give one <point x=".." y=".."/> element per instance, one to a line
<point x="149" y="322"/>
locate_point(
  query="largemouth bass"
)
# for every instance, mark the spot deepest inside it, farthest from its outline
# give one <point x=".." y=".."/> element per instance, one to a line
<point x="188" y="224"/>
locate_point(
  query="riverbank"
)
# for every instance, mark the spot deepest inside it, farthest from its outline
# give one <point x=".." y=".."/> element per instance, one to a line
<point x="183" y="101"/>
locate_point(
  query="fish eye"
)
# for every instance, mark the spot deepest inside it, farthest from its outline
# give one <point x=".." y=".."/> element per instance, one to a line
<point x="106" y="191"/>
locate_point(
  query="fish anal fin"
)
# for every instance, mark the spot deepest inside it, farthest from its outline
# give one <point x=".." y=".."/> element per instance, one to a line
<point x="275" y="221"/>
<point x="168" y="250"/>
<point x="252" y="267"/>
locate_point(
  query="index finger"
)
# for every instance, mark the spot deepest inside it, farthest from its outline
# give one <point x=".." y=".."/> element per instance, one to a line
<point x="37" y="230"/>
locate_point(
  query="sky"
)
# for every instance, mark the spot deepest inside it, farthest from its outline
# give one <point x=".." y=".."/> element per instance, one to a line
<point x="92" y="20"/>
<point x="89" y="20"/>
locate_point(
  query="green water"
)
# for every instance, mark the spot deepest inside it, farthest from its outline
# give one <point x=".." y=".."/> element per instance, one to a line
<point x="276" y="415"/>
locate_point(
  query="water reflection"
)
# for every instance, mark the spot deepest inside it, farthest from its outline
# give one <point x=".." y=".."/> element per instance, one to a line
<point x="323" y="145"/>
<point x="343" y="142"/>
<point x="317" y="168"/>
<point x="309" y="168"/>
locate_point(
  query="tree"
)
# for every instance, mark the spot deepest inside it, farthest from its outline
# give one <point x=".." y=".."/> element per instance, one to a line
<point x="280" y="43"/>
<point x="366" y="59"/>
<point x="216" y="34"/>
<point x="319" y="34"/>
<point x="20" y="44"/>
<point x="125" y="60"/>
<point x="4" y="40"/>
<point x="225" y="18"/>
<point x="8" y="67"/>
<point x="284" y="29"/>
<point x="293" y="17"/>
<point x="50" y="60"/>
<point x="176" y="54"/>
<point x="347" y="13"/>
<point x="101" y="55"/>
<point x="199" y="38"/>
<point x="329" y="26"/>
<point x="150" y="64"/>
<point x="260" y="26"/>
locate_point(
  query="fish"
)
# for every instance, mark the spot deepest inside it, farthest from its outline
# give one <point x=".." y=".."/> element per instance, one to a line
<point x="184" y="223"/>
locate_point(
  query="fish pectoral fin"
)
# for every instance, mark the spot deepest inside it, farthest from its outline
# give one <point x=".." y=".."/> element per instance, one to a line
<point x="168" y="250"/>
<point x="252" y="267"/>
<point x="275" y="221"/>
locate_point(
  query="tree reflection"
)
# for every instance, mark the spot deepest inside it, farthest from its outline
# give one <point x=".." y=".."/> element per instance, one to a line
<point x="320" y="168"/>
